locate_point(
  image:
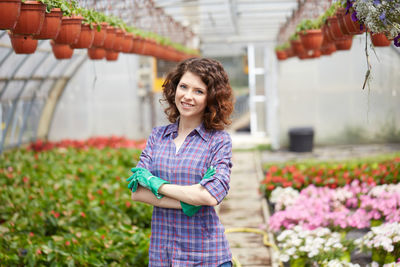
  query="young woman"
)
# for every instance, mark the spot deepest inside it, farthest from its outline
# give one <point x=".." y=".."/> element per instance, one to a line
<point x="187" y="165"/>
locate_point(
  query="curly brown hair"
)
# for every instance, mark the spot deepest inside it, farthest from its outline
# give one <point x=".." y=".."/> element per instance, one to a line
<point x="220" y="97"/>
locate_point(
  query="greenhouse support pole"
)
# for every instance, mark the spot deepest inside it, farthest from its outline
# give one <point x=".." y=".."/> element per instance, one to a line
<point x="271" y="93"/>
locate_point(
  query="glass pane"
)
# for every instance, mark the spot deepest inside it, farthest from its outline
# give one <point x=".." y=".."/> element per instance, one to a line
<point x="32" y="121"/>
<point x="30" y="88"/>
<point x="31" y="64"/>
<point x="11" y="89"/>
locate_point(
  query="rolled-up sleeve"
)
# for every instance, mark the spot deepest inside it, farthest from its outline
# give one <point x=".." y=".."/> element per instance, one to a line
<point x="221" y="159"/>
<point x="147" y="154"/>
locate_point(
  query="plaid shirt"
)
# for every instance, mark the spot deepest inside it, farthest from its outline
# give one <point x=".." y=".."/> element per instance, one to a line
<point x="176" y="239"/>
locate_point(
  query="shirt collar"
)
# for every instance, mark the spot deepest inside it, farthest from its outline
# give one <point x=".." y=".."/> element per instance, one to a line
<point x="201" y="130"/>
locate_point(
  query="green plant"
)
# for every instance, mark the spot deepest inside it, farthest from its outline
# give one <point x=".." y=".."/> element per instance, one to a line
<point x="308" y="24"/>
<point x="282" y="47"/>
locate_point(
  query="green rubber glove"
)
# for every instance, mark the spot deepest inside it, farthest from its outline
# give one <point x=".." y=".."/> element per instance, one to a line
<point x="133" y="183"/>
<point x="191" y="210"/>
<point x="148" y="180"/>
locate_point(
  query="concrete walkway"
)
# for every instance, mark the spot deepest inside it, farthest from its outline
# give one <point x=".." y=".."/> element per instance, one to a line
<point x="243" y="207"/>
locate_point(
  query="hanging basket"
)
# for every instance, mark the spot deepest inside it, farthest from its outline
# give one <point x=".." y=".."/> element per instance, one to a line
<point x="340" y="13"/>
<point x="61" y="51"/>
<point x="328" y="49"/>
<point x="297" y="47"/>
<point x="86" y="37"/>
<point x="51" y="25"/>
<point x="344" y="44"/>
<point x="353" y="27"/>
<point x="119" y="39"/>
<point x="127" y="43"/>
<point x="111" y="55"/>
<point x="379" y="39"/>
<point x="99" y="34"/>
<point x="23" y="44"/>
<point x="110" y="37"/>
<point x="96" y="53"/>
<point x="311" y="39"/>
<point x="138" y="43"/>
<point x="31" y="18"/>
<point x="69" y="30"/>
<point x="281" y="55"/>
<point x="334" y="28"/>
<point x="9" y="13"/>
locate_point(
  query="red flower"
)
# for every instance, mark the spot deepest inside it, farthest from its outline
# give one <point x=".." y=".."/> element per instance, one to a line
<point x="273" y="168"/>
<point x="25" y="179"/>
<point x="83" y="214"/>
<point x="31" y="234"/>
<point x="128" y="204"/>
<point x="270" y="187"/>
<point x="67" y="243"/>
<point x="38" y="251"/>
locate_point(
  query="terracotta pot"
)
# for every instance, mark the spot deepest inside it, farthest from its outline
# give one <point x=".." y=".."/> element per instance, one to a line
<point x="110" y="38"/>
<point x="96" y="53"/>
<point x="69" y="30"/>
<point x="111" y="55"/>
<point x="61" y="51"/>
<point x="327" y="34"/>
<point x="340" y="13"/>
<point x="23" y="44"/>
<point x="379" y="39"/>
<point x="31" y="18"/>
<point x="51" y="25"/>
<point x="86" y="37"/>
<point x="119" y="39"/>
<point x="311" y="39"/>
<point x="297" y="47"/>
<point x="150" y="48"/>
<point x="328" y="49"/>
<point x="127" y="43"/>
<point x="138" y="43"/>
<point x="334" y="28"/>
<point x="99" y="34"/>
<point x="281" y="55"/>
<point x="316" y="53"/>
<point x="345" y="43"/>
<point x="353" y="27"/>
<point x="9" y="13"/>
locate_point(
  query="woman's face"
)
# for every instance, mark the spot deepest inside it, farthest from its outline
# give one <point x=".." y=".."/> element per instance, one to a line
<point x="191" y="97"/>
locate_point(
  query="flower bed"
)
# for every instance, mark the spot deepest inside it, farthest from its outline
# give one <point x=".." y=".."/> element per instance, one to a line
<point x="300" y="175"/>
<point x="315" y="206"/>
<point x="71" y="207"/>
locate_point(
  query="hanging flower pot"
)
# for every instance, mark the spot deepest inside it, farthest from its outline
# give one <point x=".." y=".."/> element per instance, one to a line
<point x="297" y="47"/>
<point x="345" y="43"/>
<point x="110" y="37"/>
<point x="119" y="39"/>
<point x="69" y="30"/>
<point x="111" y="55"/>
<point x="61" y="51"/>
<point x="353" y="27"/>
<point x="23" y="44"/>
<point x="9" y="13"/>
<point x="328" y="49"/>
<point x="379" y="39"/>
<point x="31" y="18"/>
<point x="340" y="13"/>
<point x="281" y="54"/>
<point x="86" y="37"/>
<point x="51" y="25"/>
<point x="96" y="53"/>
<point x="311" y="39"/>
<point x="138" y="43"/>
<point x="99" y="34"/>
<point x="327" y="34"/>
<point x="127" y="43"/>
<point x="334" y="28"/>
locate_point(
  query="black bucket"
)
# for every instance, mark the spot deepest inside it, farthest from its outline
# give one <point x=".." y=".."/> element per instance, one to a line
<point x="301" y="139"/>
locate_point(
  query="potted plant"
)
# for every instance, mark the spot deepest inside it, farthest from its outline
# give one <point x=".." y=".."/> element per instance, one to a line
<point x="344" y="43"/>
<point x="61" y="51"/>
<point x="310" y="34"/>
<point x="353" y="25"/>
<point x="379" y="39"/>
<point x="71" y="23"/>
<point x="52" y="21"/>
<point x="97" y="21"/>
<point x="96" y="53"/>
<point x="31" y="18"/>
<point x="111" y="55"/>
<point x="23" y="44"/>
<point x="9" y="13"/>
<point x="296" y="44"/>
<point x="379" y="16"/>
<point x="280" y="51"/>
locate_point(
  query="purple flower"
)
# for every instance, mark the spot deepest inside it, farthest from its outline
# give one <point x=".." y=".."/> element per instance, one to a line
<point x="397" y="41"/>
<point x="377" y="2"/>
<point x="382" y="17"/>
<point x="354" y="16"/>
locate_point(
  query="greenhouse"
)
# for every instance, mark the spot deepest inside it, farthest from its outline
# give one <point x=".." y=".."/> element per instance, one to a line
<point x="200" y="133"/>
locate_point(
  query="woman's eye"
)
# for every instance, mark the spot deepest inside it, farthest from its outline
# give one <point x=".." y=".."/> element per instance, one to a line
<point x="200" y="92"/>
<point x="182" y="86"/>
